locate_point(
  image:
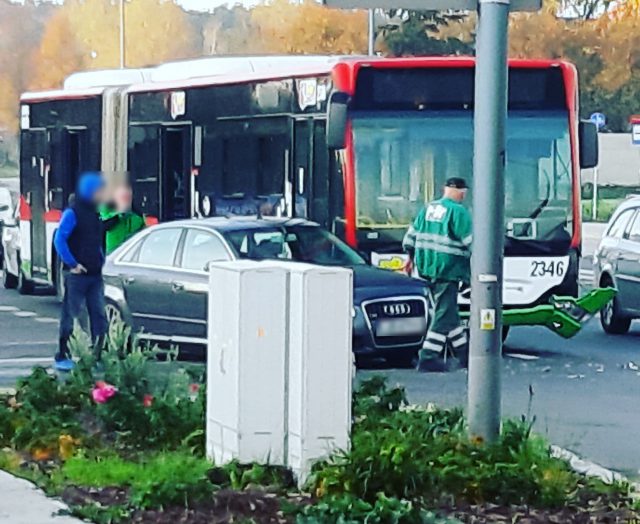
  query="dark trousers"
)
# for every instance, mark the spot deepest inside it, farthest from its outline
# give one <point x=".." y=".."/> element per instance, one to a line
<point x="444" y="324"/>
<point x="81" y="290"/>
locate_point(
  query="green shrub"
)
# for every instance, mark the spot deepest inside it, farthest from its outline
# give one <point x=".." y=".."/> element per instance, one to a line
<point x="148" y="414"/>
<point x="44" y="409"/>
<point x="424" y="453"/>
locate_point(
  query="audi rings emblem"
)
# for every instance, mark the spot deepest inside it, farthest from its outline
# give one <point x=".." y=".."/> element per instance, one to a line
<point x="398" y="309"/>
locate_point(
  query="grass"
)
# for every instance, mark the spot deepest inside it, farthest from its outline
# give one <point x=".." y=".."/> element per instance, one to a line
<point x="153" y="479"/>
<point x="8" y="171"/>
<point x="606" y="207"/>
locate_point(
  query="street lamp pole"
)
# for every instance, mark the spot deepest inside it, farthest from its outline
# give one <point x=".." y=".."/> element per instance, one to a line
<point x="122" y="54"/>
<point x="490" y="115"/>
<point x="372" y="33"/>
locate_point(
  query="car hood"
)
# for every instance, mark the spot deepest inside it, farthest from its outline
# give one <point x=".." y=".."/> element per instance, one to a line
<point x="372" y="282"/>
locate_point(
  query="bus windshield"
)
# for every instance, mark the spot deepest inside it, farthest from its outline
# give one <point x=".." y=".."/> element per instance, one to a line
<point x="403" y="159"/>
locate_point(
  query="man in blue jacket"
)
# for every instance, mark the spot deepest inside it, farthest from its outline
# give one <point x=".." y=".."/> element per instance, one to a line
<point x="79" y="242"/>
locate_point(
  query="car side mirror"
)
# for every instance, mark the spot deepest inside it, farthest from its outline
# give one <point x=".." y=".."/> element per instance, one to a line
<point x="588" y="137"/>
<point x="337" y="120"/>
<point x="208" y="263"/>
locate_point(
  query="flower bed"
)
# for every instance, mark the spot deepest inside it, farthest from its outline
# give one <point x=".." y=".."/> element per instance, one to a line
<point x="121" y="444"/>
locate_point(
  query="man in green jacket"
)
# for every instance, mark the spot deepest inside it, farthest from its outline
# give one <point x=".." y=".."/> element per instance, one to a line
<point x="438" y="244"/>
<point x="120" y="222"/>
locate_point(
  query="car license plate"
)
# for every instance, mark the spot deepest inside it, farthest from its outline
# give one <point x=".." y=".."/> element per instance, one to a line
<point x="401" y="326"/>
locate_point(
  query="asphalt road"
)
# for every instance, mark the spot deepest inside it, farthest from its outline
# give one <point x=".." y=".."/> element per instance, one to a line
<point x="585" y="390"/>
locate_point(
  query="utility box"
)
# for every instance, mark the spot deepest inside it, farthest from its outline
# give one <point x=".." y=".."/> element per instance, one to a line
<point x="320" y="364"/>
<point x="246" y="362"/>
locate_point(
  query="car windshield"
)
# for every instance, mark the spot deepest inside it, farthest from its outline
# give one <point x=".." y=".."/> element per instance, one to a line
<point x="403" y="160"/>
<point x="300" y="243"/>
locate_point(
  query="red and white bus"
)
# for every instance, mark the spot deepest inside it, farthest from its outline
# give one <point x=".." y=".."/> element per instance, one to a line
<point x="356" y="144"/>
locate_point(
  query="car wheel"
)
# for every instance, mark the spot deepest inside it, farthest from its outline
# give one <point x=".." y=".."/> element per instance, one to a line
<point x="612" y="321"/>
<point x="25" y="286"/>
<point x="9" y="281"/>
<point x="114" y="318"/>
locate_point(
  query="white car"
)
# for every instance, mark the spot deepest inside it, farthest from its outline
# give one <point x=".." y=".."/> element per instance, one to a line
<point x="10" y="243"/>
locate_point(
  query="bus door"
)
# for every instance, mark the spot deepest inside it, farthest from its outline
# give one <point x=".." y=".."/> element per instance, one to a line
<point x="69" y="159"/>
<point x="176" y="188"/>
<point x="311" y="171"/>
<point x="34" y="174"/>
<point x="250" y="160"/>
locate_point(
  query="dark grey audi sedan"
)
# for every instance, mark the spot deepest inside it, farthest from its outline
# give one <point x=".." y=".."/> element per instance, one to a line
<point x="157" y="282"/>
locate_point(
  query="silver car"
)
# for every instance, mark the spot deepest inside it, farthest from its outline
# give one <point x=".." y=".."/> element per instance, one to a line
<point x="10" y="252"/>
<point x="616" y="263"/>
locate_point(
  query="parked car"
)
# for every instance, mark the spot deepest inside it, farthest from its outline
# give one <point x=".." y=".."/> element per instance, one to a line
<point x="616" y="263"/>
<point x="157" y="282"/>
<point x="10" y="250"/>
<point x="6" y="211"/>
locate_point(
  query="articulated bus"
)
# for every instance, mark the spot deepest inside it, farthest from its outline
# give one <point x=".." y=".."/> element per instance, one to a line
<point x="355" y="144"/>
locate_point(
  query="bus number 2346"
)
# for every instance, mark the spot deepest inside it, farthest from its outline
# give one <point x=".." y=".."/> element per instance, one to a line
<point x="547" y="268"/>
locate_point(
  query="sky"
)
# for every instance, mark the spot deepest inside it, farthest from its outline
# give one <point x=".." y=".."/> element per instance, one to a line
<point x="210" y="5"/>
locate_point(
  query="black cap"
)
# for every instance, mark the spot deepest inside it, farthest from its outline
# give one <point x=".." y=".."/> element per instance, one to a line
<point x="456" y="182"/>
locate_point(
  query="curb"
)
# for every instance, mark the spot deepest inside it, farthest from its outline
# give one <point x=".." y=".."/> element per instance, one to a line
<point x="591" y="469"/>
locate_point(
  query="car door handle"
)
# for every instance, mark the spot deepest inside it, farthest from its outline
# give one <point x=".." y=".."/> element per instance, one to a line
<point x="128" y="280"/>
<point x="177" y="286"/>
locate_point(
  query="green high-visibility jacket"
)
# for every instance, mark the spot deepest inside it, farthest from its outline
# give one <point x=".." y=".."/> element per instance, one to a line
<point x="119" y="226"/>
<point x="440" y="240"/>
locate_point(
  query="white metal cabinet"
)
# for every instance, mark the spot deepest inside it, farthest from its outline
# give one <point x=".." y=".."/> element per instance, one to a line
<point x="320" y="364"/>
<point x="246" y="362"/>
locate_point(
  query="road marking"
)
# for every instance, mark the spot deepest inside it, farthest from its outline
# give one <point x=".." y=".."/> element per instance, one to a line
<point x="25" y="360"/>
<point x="8" y="309"/>
<point x="36" y="343"/>
<point x="46" y="320"/>
<point x="25" y="314"/>
<point x="522" y="356"/>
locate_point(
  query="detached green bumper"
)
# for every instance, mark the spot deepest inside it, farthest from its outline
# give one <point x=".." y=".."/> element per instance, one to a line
<point x="563" y="315"/>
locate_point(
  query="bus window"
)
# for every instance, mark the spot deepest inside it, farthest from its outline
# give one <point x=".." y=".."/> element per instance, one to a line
<point x="144" y="152"/>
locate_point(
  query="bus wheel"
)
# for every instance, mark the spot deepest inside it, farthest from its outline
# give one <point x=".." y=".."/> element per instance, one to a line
<point x="25" y="286"/>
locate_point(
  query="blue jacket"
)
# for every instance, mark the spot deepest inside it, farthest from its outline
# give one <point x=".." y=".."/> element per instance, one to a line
<point x="80" y="237"/>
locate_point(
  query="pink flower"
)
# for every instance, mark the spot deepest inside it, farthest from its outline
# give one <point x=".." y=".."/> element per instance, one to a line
<point x="147" y="400"/>
<point x="103" y="392"/>
<point x="194" y="388"/>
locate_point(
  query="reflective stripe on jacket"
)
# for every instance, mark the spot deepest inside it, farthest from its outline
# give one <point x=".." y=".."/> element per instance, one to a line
<point x="440" y="240"/>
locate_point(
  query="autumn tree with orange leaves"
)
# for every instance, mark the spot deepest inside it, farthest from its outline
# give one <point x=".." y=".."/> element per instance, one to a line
<point x="308" y="27"/>
<point x="84" y="34"/>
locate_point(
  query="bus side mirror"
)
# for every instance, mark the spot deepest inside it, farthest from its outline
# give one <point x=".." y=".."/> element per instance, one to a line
<point x="337" y="120"/>
<point x="588" y="137"/>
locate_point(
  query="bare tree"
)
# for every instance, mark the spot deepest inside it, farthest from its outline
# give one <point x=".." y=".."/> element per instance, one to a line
<point x="585" y="9"/>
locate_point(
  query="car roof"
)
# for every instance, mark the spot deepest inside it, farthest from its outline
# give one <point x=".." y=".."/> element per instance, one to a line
<point x="239" y="223"/>
<point x="630" y="202"/>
